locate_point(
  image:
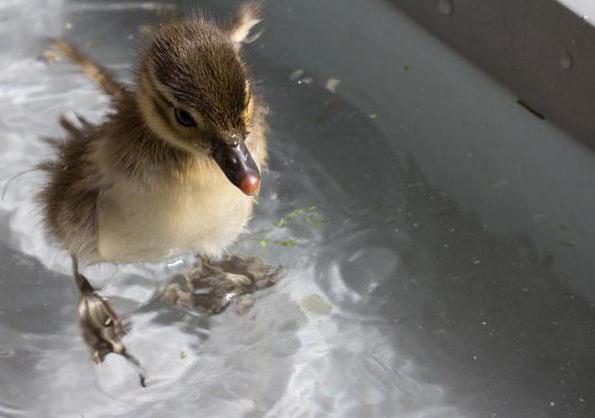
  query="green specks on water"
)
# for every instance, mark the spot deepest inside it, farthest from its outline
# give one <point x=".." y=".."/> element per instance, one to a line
<point x="315" y="221"/>
<point x="281" y="223"/>
<point x="309" y="215"/>
<point x="315" y="304"/>
<point x="293" y="214"/>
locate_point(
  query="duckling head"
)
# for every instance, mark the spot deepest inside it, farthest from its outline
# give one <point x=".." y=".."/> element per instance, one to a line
<point x="194" y="92"/>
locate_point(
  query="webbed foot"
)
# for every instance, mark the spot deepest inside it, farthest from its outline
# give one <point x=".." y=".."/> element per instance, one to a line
<point x="214" y="285"/>
<point x="101" y="328"/>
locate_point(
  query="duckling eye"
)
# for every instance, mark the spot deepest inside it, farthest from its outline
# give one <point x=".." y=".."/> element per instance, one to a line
<point x="184" y="118"/>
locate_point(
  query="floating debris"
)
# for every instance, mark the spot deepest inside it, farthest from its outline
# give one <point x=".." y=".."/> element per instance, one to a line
<point x="305" y="80"/>
<point x="294" y="76"/>
<point x="285" y="220"/>
<point x="286" y="243"/>
<point x="445" y="7"/>
<point x="332" y="84"/>
<point x="315" y="304"/>
<point x="316" y="222"/>
<point x="308" y="214"/>
<point x="300" y="77"/>
<point x="566" y="61"/>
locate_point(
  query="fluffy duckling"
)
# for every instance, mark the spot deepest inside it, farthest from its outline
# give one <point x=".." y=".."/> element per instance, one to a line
<point x="174" y="168"/>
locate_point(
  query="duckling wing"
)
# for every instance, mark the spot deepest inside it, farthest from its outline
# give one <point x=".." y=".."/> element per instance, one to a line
<point x="73" y="185"/>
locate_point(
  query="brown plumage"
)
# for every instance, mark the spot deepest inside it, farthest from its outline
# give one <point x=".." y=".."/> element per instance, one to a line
<point x="173" y="168"/>
<point x="141" y="153"/>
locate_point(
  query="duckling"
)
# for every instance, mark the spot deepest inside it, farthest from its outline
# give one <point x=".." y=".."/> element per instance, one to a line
<point x="174" y="168"/>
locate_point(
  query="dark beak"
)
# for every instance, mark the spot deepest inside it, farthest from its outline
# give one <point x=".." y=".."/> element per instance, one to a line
<point x="237" y="164"/>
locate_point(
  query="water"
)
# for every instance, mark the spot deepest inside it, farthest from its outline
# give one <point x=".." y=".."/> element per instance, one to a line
<point x="566" y="61"/>
<point x="445" y="7"/>
<point x="398" y="301"/>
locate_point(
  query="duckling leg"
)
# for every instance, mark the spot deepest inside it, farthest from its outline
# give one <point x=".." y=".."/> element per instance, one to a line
<point x="215" y="284"/>
<point x="101" y="328"/>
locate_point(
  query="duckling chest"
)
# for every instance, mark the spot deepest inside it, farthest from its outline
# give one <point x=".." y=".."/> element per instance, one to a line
<point x="144" y="224"/>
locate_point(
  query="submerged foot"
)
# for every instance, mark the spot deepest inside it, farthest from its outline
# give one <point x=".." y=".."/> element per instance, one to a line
<point x="214" y="285"/>
<point x="101" y="328"/>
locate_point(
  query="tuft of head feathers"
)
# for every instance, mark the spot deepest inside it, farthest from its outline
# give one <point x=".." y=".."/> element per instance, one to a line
<point x="196" y="66"/>
<point x="247" y="17"/>
<point x="196" y="62"/>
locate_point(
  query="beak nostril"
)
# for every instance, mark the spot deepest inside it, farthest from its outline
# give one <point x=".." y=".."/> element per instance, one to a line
<point x="235" y="140"/>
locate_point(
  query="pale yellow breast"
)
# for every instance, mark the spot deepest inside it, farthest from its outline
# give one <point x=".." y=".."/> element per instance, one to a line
<point x="146" y="223"/>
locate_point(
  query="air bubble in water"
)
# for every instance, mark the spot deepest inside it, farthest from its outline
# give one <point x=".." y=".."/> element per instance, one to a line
<point x="445" y="7"/>
<point x="566" y="61"/>
<point x="305" y="80"/>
